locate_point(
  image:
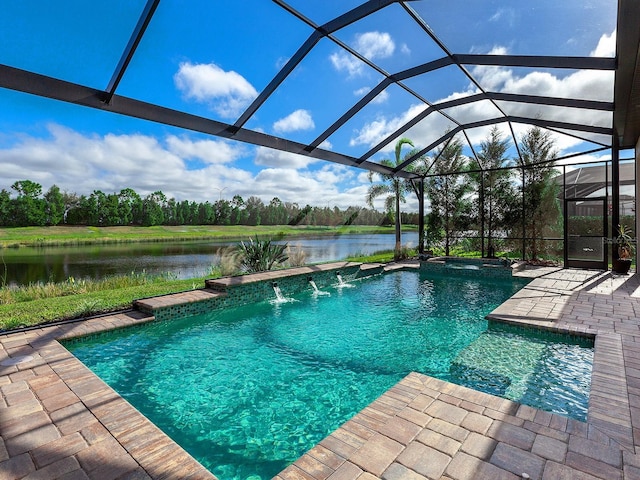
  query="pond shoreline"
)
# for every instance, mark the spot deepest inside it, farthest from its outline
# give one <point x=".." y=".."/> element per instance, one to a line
<point x="68" y="236"/>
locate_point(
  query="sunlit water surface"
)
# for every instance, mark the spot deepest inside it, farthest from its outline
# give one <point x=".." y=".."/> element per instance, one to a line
<point x="248" y="390"/>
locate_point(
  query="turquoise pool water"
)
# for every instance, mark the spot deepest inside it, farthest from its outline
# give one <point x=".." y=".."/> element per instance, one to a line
<point x="248" y="390"/>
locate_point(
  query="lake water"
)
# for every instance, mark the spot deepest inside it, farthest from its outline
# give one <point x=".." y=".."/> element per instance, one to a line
<point x="182" y="259"/>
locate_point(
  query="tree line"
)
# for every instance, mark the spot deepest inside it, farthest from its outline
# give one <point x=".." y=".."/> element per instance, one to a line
<point x="27" y="205"/>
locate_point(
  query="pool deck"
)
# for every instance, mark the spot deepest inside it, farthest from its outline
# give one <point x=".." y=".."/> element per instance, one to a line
<point x="58" y="420"/>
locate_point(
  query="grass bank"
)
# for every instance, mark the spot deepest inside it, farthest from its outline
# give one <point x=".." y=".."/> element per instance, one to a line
<point x="43" y="303"/>
<point x="69" y="236"/>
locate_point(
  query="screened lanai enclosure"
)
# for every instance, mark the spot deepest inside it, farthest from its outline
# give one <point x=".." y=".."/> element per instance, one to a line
<point x="527" y="146"/>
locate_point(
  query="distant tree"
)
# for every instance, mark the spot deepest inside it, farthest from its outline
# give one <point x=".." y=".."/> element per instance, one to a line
<point x="222" y="212"/>
<point x="170" y="212"/>
<point x="255" y="208"/>
<point x="110" y="211"/>
<point x="129" y="207"/>
<point x="276" y="212"/>
<point x="496" y="194"/>
<point x="70" y="201"/>
<point x="300" y="217"/>
<point x="5" y="208"/>
<point x="450" y="205"/>
<point x="541" y="206"/>
<point x="29" y="208"/>
<point x="153" y="209"/>
<point x="54" y="206"/>
<point x="238" y="211"/>
<point x="206" y="214"/>
<point x="394" y="188"/>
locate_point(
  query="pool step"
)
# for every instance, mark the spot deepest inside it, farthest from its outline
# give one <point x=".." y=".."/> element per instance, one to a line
<point x="150" y="305"/>
<point x="505" y="357"/>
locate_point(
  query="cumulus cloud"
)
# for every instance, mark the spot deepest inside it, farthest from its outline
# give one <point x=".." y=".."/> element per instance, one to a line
<point x="268" y="157"/>
<point x="582" y="84"/>
<point x="606" y="46"/>
<point x="375" y="45"/>
<point x="209" y="151"/>
<point x="382" y="97"/>
<point x="182" y="167"/>
<point x="374" y="131"/>
<point x="83" y="163"/>
<point x="344" y="61"/>
<point x="315" y="187"/>
<point x="298" y="120"/>
<point x="227" y="92"/>
<point x="372" y="45"/>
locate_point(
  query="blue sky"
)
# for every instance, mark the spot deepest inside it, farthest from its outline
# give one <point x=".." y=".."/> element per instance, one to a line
<point x="213" y="58"/>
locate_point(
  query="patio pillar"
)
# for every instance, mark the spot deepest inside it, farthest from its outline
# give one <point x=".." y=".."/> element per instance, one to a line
<point x="420" y="192"/>
<point x="615" y="192"/>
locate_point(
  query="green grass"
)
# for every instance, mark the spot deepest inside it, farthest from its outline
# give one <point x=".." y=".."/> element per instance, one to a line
<point x="377" y="257"/>
<point x="68" y="236"/>
<point x="44" y="303"/>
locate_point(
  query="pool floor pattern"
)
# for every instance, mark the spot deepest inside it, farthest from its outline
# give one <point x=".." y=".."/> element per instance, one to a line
<point x="58" y="420"/>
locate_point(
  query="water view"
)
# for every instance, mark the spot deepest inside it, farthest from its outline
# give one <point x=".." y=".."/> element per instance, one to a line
<point x="182" y="259"/>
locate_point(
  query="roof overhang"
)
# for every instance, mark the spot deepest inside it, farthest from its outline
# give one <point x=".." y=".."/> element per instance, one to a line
<point x="626" y="116"/>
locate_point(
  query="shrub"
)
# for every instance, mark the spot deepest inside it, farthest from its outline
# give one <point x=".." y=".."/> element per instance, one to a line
<point x="261" y="255"/>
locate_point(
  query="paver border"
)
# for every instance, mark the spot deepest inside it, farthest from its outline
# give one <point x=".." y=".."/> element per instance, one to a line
<point x="57" y="416"/>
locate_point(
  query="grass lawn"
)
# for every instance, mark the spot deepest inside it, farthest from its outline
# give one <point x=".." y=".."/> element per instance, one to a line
<point x="62" y="305"/>
<point x="65" y="235"/>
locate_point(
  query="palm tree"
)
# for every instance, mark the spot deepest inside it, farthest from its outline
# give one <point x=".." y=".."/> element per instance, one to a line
<point x="393" y="187"/>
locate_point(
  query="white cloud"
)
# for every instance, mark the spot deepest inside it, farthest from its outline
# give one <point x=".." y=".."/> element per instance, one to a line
<point x="298" y="120"/>
<point x="270" y="157"/>
<point x="317" y="187"/>
<point x="81" y="164"/>
<point x="342" y="61"/>
<point x="372" y="45"/>
<point x="209" y="151"/>
<point x="606" y="46"/>
<point x="581" y="84"/>
<point x="375" y="45"/>
<point x="506" y="15"/>
<point x="382" y="126"/>
<point x="228" y="93"/>
<point x="382" y="97"/>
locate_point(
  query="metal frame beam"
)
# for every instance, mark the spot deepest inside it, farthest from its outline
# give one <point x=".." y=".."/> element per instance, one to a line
<point x="626" y="118"/>
<point x="511" y="119"/>
<point x="134" y="41"/>
<point x="41" y="85"/>
<point x="337" y="23"/>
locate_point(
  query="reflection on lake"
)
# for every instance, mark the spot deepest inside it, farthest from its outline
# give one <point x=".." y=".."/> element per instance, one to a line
<point x="182" y="259"/>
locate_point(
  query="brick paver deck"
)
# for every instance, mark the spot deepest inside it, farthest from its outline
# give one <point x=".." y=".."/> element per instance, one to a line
<point x="58" y="420"/>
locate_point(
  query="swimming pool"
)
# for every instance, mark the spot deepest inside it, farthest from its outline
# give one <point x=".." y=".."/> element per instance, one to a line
<point x="248" y="390"/>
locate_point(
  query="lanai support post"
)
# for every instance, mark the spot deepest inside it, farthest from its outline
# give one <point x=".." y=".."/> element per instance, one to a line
<point x="418" y="188"/>
<point x="615" y="192"/>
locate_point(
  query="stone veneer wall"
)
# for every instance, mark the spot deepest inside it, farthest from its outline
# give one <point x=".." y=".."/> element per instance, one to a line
<point x="257" y="291"/>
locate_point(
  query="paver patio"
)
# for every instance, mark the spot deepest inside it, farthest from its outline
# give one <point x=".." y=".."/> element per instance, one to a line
<point x="58" y="420"/>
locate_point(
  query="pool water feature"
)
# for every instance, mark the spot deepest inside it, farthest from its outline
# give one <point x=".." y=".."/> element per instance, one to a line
<point x="248" y="390"/>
